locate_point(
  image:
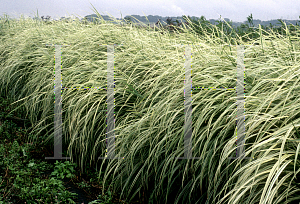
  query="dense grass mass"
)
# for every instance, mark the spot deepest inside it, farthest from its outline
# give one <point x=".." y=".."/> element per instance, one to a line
<point x="149" y="107"/>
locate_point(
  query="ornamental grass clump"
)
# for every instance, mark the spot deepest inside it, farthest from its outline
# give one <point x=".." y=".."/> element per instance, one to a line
<point x="149" y="108"/>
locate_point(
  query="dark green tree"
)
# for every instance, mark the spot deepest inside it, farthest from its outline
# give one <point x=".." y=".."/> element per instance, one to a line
<point x="128" y="20"/>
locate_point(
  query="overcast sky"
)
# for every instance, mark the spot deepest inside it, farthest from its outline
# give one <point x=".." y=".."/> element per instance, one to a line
<point x="235" y="10"/>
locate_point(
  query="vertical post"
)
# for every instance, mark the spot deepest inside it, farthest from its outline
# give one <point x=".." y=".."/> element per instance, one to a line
<point x="188" y="106"/>
<point x="110" y="103"/>
<point x="240" y="102"/>
<point x="57" y="106"/>
<point x="110" y="139"/>
<point x="240" y="121"/>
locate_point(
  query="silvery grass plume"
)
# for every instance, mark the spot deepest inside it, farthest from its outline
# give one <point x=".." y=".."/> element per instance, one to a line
<point x="149" y="108"/>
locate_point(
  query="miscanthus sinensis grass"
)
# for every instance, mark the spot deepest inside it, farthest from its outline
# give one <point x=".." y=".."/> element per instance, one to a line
<point x="150" y="115"/>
